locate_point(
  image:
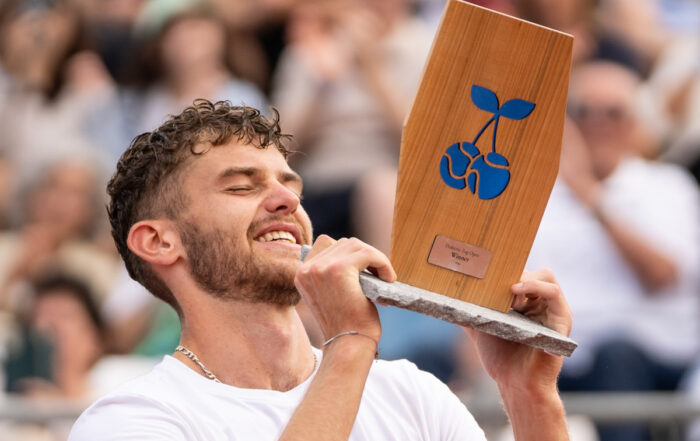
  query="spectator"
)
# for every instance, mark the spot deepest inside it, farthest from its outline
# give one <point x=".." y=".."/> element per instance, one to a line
<point x="61" y="100"/>
<point x="62" y="354"/>
<point x="65" y="318"/>
<point x="61" y="215"/>
<point x="110" y="27"/>
<point x="621" y="233"/>
<point x="192" y="50"/>
<point x="258" y="36"/>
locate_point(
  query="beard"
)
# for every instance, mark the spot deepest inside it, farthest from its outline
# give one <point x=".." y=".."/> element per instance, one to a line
<point x="231" y="274"/>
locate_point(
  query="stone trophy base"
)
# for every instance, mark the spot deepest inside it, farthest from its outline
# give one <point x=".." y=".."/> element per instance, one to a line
<point x="511" y="326"/>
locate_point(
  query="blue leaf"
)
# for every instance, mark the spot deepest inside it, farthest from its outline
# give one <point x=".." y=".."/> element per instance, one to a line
<point x="516" y="109"/>
<point x="484" y="99"/>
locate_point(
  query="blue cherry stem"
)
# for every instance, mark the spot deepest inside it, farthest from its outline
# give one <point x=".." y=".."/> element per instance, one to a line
<point x="493" y="138"/>
<point x="478" y="135"/>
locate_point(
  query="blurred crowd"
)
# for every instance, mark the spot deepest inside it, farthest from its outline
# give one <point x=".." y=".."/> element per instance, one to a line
<point x="80" y="78"/>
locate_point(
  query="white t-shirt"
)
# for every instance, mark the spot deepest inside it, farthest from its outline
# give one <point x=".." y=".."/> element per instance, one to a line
<point x="660" y="203"/>
<point x="173" y="403"/>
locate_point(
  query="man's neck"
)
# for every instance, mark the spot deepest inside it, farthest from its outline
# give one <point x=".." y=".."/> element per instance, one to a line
<point x="248" y="345"/>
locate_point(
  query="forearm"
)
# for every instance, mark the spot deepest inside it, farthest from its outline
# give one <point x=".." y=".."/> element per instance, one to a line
<point x="297" y="93"/>
<point x="653" y="268"/>
<point x="395" y="106"/>
<point x="330" y="406"/>
<point x="537" y="416"/>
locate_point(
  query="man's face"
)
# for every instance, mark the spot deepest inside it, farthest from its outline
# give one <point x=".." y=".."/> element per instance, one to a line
<point x="599" y="103"/>
<point x="243" y="226"/>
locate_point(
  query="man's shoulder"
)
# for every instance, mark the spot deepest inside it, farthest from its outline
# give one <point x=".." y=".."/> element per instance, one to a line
<point x="150" y="397"/>
<point x="152" y="387"/>
<point x="154" y="382"/>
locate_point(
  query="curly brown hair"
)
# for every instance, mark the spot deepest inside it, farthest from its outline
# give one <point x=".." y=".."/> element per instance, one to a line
<point x="145" y="185"/>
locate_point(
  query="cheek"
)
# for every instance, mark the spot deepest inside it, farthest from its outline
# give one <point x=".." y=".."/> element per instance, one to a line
<point x="307" y="228"/>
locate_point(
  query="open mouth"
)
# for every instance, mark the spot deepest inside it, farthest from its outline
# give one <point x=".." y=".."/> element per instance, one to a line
<point x="277" y="236"/>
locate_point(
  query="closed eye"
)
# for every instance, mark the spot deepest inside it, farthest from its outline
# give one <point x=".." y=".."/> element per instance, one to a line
<point x="239" y="190"/>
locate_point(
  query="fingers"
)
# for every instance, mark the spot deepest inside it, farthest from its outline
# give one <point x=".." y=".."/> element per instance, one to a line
<point x="539" y="296"/>
<point x="322" y="242"/>
<point x="537" y="289"/>
<point x="540" y="283"/>
<point x="328" y="280"/>
<point x="353" y="252"/>
<point x="544" y="274"/>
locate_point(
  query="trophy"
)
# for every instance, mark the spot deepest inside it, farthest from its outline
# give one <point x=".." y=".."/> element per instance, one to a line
<point x="479" y="156"/>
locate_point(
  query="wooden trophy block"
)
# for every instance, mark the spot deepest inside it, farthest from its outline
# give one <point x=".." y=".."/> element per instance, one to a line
<point x="479" y="154"/>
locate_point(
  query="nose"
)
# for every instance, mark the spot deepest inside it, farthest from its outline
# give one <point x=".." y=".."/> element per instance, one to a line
<point x="281" y="200"/>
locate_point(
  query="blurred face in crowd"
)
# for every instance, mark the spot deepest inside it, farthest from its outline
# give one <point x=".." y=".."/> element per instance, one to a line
<point x="65" y="199"/>
<point x="192" y="41"/>
<point x="61" y="317"/>
<point x="45" y="34"/>
<point x="600" y="102"/>
<point x="244" y="224"/>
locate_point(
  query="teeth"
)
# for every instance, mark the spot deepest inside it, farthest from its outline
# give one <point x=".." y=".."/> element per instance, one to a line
<point x="284" y="236"/>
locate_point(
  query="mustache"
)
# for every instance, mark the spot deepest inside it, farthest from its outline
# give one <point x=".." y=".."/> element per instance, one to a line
<point x="257" y="225"/>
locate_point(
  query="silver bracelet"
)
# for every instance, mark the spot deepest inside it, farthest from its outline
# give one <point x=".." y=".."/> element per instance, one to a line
<point x="330" y="340"/>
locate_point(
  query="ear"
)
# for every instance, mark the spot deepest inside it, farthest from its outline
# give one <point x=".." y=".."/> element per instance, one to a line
<point x="155" y="241"/>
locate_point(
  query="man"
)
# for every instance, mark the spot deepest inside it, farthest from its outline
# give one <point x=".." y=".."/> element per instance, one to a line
<point x="630" y="264"/>
<point x="206" y="214"/>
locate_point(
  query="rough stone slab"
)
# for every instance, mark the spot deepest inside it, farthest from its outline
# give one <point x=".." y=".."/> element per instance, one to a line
<point x="511" y="326"/>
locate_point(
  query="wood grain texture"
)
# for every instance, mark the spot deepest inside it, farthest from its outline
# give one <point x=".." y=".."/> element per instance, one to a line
<point x="515" y="59"/>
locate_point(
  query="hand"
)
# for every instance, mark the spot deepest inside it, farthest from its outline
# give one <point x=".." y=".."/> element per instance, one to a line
<point x="329" y="282"/>
<point x="358" y="31"/>
<point x="324" y="57"/>
<point x="576" y="167"/>
<point x="38" y="245"/>
<point x="519" y="368"/>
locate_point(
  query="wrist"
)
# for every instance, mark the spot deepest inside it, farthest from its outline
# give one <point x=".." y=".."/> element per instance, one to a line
<point x="536" y="415"/>
<point x="538" y="397"/>
<point x="347" y="348"/>
<point x="594" y="198"/>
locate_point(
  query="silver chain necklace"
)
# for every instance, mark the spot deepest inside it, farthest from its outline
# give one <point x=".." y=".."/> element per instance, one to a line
<point x="192" y="356"/>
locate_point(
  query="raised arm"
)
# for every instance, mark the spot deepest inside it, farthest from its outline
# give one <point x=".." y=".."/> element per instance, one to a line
<point x="329" y="283"/>
<point x="527" y="377"/>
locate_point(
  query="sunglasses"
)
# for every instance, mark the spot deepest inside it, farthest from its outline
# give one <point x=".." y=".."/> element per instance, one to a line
<point x="582" y="111"/>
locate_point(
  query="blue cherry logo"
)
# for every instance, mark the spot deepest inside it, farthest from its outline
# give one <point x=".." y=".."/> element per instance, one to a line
<point x="464" y="165"/>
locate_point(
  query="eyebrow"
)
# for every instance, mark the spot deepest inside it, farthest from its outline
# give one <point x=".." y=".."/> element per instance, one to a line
<point x="285" y="176"/>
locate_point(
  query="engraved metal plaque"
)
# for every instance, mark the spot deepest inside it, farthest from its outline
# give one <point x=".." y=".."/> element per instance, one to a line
<point x="459" y="256"/>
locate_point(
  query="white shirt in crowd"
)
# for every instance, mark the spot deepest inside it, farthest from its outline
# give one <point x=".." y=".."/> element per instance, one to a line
<point x="661" y="204"/>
